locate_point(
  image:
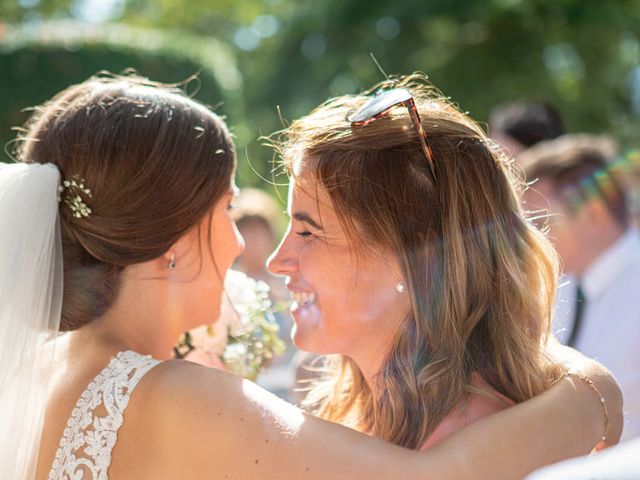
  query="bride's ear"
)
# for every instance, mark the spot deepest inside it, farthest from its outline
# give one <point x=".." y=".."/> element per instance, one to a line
<point x="180" y="251"/>
<point x="170" y="259"/>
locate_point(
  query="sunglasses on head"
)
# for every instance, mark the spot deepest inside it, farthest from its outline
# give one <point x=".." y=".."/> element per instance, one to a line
<point x="384" y="101"/>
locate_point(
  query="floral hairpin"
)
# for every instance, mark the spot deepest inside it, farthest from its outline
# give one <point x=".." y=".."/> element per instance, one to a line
<point x="71" y="190"/>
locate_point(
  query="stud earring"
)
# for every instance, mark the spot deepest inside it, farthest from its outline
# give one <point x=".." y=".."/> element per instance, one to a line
<point x="401" y="287"/>
<point x="172" y="261"/>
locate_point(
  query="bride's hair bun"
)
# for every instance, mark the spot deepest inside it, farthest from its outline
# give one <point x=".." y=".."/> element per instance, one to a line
<point x="155" y="162"/>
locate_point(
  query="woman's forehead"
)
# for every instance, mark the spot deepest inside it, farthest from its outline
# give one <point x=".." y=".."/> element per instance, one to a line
<point x="305" y="190"/>
<point x="307" y="194"/>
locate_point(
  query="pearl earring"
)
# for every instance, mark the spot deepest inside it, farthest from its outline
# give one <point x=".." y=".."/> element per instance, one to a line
<point x="172" y="261"/>
<point x="401" y="287"/>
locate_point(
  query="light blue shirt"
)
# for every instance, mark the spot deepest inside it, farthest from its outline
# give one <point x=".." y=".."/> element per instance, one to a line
<point x="617" y="463"/>
<point x="610" y="330"/>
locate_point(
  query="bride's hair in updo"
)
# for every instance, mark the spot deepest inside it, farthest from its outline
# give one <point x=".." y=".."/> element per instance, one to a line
<point x="155" y="161"/>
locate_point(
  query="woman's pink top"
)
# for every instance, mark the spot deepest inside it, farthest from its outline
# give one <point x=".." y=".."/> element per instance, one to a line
<point x="469" y="411"/>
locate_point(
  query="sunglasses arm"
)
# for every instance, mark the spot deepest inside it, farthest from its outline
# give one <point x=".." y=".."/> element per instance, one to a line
<point x="415" y="118"/>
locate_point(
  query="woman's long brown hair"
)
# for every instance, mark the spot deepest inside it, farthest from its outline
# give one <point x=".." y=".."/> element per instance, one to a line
<point x="481" y="278"/>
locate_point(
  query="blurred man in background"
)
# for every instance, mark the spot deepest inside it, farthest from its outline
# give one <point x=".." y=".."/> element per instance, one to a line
<point x="520" y="125"/>
<point x="575" y="179"/>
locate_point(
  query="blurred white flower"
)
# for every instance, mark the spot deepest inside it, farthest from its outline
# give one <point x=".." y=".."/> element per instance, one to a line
<point x="245" y="337"/>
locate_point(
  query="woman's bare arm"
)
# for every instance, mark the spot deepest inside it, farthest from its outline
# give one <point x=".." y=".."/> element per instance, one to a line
<point x="208" y="424"/>
<point x="564" y="422"/>
<point x="574" y="361"/>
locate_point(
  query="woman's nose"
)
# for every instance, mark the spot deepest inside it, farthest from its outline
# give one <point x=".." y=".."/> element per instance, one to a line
<point x="283" y="260"/>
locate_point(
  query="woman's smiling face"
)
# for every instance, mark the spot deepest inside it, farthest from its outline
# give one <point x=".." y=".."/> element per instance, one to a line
<point x="344" y="296"/>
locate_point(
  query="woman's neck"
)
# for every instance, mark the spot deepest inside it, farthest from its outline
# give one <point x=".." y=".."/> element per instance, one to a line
<point x="371" y="355"/>
<point x="371" y="365"/>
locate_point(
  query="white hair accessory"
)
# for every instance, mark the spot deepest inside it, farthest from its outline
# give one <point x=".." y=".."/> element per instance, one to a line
<point x="70" y="191"/>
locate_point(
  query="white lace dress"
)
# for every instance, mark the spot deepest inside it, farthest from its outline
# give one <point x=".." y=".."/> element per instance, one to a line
<point x="91" y="432"/>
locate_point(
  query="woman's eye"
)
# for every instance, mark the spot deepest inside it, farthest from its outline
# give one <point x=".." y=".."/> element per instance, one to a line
<point x="304" y="233"/>
<point x="231" y="206"/>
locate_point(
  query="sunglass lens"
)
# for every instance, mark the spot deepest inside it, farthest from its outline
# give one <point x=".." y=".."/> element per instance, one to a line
<point x="379" y="104"/>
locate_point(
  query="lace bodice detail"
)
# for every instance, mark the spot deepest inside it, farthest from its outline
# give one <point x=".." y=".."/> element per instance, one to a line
<point x="91" y="432"/>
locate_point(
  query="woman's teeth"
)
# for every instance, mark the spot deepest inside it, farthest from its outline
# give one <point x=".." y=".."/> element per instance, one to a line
<point x="303" y="298"/>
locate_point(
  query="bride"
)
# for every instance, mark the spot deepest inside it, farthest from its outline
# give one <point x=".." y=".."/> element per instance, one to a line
<point x="115" y="229"/>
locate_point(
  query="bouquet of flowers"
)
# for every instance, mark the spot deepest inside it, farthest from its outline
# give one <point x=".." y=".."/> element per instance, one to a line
<point x="245" y="338"/>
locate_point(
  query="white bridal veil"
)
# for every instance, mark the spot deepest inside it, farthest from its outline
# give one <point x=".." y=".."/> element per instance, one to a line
<point x="30" y="306"/>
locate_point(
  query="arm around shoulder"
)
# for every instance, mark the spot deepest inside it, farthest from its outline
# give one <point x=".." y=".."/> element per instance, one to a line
<point x="208" y="424"/>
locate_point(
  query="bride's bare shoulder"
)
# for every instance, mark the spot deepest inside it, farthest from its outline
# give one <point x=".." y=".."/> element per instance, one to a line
<point x="182" y="411"/>
<point x="174" y="385"/>
<point x="186" y="398"/>
<point x="182" y="381"/>
<point x="183" y="396"/>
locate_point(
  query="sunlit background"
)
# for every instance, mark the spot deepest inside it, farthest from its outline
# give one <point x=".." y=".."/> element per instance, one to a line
<point x="254" y="56"/>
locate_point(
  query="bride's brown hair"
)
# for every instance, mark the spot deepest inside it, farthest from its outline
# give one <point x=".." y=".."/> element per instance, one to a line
<point x="480" y="277"/>
<point x="155" y="161"/>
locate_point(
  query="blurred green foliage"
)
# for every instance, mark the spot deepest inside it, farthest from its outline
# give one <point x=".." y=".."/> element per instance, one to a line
<point x="583" y="56"/>
<point x="34" y="65"/>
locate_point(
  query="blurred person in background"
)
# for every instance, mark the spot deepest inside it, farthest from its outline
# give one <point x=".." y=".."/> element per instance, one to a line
<point x="520" y="125"/>
<point x="260" y="221"/>
<point x="617" y="463"/>
<point x="598" y="312"/>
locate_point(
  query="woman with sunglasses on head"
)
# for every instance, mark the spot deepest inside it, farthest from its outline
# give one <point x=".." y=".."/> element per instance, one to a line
<point x="409" y="258"/>
<point x="115" y="229"/>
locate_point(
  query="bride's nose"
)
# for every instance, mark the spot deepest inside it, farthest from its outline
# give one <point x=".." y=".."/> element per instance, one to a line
<point x="240" y="242"/>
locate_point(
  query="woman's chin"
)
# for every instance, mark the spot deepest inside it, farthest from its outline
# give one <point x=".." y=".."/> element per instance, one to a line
<point x="303" y="337"/>
<point x="308" y="332"/>
<point x="310" y="340"/>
